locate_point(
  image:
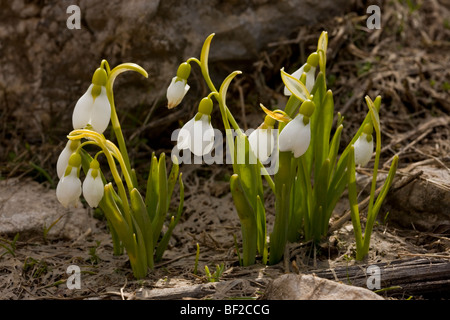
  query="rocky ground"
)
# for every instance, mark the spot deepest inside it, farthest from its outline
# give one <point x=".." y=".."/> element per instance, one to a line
<point x="406" y="62"/>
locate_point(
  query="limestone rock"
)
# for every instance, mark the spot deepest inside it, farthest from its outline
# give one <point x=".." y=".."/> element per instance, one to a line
<point x="309" y="287"/>
<point x="26" y="207"/>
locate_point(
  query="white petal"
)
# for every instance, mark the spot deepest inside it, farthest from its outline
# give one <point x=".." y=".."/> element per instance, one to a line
<point x="310" y="78"/>
<point x="93" y="189"/>
<point x="63" y="160"/>
<point x="68" y="190"/>
<point x="101" y="112"/>
<point x="363" y="150"/>
<point x="83" y="109"/>
<point x="202" y="136"/>
<point x="297" y="74"/>
<point x="295" y="137"/>
<point x="176" y="92"/>
<point x="261" y="142"/>
<point x="184" y="136"/>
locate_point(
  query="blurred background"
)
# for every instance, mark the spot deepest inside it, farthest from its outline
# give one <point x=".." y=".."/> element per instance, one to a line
<point x="45" y="67"/>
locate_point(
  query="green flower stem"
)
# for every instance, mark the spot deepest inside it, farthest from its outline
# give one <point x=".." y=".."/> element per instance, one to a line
<point x="114" y="118"/>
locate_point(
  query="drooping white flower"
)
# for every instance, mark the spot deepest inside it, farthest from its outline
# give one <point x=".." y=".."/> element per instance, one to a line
<point x="295" y="136"/>
<point x="309" y="68"/>
<point x="93" y="107"/>
<point x="262" y="141"/>
<point x="63" y="159"/>
<point x="363" y="149"/>
<point x="176" y="92"/>
<point x="68" y="190"/>
<point x="197" y="134"/>
<point x="93" y="188"/>
<point x="178" y="86"/>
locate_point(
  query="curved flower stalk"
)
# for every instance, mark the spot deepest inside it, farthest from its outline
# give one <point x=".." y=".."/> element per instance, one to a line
<point x="135" y="224"/>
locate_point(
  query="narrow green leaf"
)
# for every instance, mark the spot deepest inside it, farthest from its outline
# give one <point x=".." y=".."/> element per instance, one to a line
<point x="139" y="210"/>
<point x="151" y="195"/>
<point x="353" y="199"/>
<point x="162" y="245"/>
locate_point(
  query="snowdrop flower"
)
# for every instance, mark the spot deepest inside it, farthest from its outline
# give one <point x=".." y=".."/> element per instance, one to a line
<point x="197" y="134"/>
<point x="178" y="87"/>
<point x="93" y="188"/>
<point x="93" y="108"/>
<point x="306" y="73"/>
<point x="364" y="146"/>
<point x="63" y="159"/>
<point x="261" y="140"/>
<point x="68" y="190"/>
<point x="296" y="135"/>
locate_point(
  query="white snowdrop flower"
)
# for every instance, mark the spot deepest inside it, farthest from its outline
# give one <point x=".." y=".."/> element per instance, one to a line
<point x="363" y="149"/>
<point x="197" y="134"/>
<point x="309" y="68"/>
<point x="178" y="87"/>
<point x="262" y="141"/>
<point x="176" y="92"/>
<point x="93" y="107"/>
<point x="93" y="188"/>
<point x="68" y="190"/>
<point x="296" y="135"/>
<point x="63" y="159"/>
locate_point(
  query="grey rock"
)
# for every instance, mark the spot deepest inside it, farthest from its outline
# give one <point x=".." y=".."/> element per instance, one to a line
<point x="424" y="203"/>
<point x="309" y="287"/>
<point x="27" y="207"/>
<point x="45" y="67"/>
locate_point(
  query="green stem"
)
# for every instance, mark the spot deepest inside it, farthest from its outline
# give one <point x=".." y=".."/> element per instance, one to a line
<point x="283" y="183"/>
<point x="114" y="118"/>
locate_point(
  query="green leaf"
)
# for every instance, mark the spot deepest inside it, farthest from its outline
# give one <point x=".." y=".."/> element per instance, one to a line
<point x="246" y="215"/>
<point x="353" y="199"/>
<point x="386" y="186"/>
<point x="139" y="210"/>
<point x="151" y="195"/>
<point x="162" y="245"/>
